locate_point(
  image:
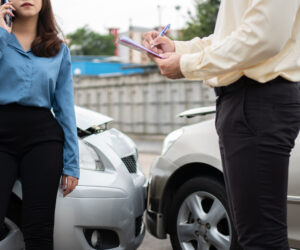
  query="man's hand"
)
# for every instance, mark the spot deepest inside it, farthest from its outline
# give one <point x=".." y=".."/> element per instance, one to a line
<point x="162" y="44"/>
<point x="170" y="65"/>
<point x="68" y="184"/>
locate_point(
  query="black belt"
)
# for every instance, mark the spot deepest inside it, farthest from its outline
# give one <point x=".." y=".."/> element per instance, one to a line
<point x="242" y="82"/>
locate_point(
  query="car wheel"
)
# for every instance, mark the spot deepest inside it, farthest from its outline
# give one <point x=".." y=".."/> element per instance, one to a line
<point x="200" y="217"/>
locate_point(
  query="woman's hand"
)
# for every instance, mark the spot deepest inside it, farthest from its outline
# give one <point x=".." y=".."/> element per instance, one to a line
<point x="170" y="65"/>
<point x="5" y="9"/>
<point x="68" y="184"/>
<point x="162" y="44"/>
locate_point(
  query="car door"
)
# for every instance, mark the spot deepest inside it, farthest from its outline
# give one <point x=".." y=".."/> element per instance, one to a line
<point x="294" y="196"/>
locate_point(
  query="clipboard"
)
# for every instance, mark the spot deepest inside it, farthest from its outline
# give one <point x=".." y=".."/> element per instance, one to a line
<point x="126" y="41"/>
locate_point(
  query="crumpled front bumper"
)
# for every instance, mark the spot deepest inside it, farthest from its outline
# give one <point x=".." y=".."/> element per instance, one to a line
<point x="160" y="172"/>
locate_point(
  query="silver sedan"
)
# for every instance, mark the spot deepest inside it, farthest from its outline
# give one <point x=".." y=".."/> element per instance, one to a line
<point x="187" y="197"/>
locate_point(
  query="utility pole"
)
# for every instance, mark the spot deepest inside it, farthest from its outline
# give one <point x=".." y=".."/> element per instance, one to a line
<point x="159" y="15"/>
<point x="178" y="8"/>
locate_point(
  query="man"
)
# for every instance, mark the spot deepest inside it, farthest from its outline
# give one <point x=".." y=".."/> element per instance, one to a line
<point x="253" y="61"/>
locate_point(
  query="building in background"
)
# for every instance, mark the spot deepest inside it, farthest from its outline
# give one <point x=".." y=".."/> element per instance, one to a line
<point x="132" y="56"/>
<point x="105" y="66"/>
<point x="130" y="89"/>
<point x="143" y="104"/>
<point x="115" y="33"/>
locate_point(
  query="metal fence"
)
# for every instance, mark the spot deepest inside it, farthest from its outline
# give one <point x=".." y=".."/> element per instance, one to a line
<point x="143" y="104"/>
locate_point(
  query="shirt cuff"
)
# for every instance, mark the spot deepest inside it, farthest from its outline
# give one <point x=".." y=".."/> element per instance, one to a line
<point x="72" y="172"/>
<point x="182" y="47"/>
<point x="193" y="46"/>
<point x="189" y="65"/>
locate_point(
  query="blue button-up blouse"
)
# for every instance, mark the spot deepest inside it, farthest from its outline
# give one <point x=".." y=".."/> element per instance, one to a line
<point x="41" y="82"/>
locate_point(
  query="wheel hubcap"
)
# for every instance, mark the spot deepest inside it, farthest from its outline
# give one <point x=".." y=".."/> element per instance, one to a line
<point x="203" y="223"/>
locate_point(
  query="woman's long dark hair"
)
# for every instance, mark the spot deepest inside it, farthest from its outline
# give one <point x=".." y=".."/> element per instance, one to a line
<point x="47" y="43"/>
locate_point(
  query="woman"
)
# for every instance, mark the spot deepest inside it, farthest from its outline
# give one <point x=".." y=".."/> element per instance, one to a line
<point x="252" y="60"/>
<point x="35" y="77"/>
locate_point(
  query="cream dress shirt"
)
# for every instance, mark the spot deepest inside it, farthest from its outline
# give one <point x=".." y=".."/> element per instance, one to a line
<point x="256" y="38"/>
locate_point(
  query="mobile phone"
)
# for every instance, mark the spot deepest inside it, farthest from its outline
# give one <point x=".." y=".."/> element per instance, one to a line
<point x="7" y="18"/>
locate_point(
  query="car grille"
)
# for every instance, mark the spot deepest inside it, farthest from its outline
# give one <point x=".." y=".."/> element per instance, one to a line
<point x="138" y="225"/>
<point x="130" y="164"/>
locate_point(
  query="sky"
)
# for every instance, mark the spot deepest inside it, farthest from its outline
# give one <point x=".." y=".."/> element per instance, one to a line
<point x="100" y="15"/>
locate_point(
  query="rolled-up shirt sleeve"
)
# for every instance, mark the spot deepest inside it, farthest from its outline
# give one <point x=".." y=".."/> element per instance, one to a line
<point x="264" y="31"/>
<point x="4" y="35"/>
<point x="63" y="107"/>
<point x="193" y="46"/>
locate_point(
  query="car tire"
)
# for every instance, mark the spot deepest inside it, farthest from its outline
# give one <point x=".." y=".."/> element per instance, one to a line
<point x="199" y="217"/>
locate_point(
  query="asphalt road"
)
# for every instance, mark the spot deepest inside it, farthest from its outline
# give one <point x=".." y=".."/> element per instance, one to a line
<point x="151" y="243"/>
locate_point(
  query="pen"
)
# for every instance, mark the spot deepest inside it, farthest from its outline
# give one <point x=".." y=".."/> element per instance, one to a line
<point x="163" y="32"/>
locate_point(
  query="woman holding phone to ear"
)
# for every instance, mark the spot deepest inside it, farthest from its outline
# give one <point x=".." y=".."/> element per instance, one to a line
<point x="35" y="77"/>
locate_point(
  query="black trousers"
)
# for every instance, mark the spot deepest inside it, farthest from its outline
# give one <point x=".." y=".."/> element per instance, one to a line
<point x="257" y="125"/>
<point x="31" y="147"/>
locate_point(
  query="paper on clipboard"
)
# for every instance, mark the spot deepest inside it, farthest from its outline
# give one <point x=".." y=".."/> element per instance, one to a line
<point x="126" y="41"/>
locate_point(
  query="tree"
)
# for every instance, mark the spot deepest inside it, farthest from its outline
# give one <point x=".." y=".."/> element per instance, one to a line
<point x="203" y="22"/>
<point x="87" y="42"/>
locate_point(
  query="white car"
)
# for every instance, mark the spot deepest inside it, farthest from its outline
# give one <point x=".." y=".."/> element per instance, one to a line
<point x="105" y="211"/>
<point x="187" y="197"/>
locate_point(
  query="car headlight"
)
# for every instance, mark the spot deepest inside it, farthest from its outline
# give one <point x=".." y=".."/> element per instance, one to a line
<point x="89" y="157"/>
<point x="170" y="139"/>
<point x="136" y="155"/>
